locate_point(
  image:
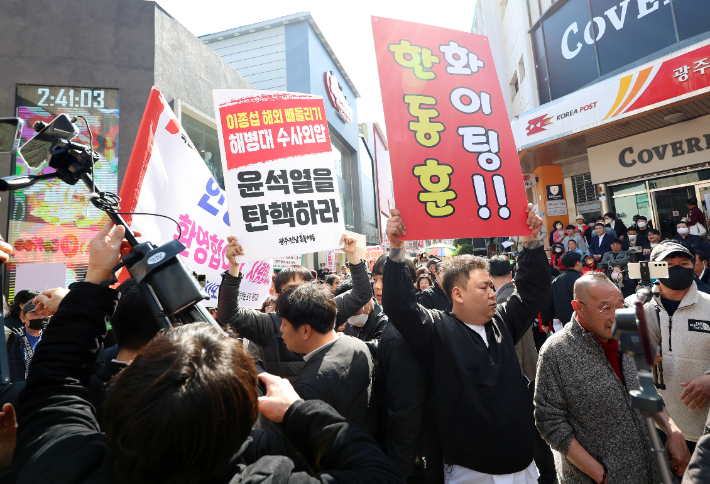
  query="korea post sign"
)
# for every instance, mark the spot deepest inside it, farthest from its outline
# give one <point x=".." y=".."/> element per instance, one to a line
<point x="279" y="173"/>
<point x="454" y="163"/>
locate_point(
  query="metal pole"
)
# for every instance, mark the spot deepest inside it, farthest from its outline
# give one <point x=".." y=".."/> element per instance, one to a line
<point x="661" y="458"/>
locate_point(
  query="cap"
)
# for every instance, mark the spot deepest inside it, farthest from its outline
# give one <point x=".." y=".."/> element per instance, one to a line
<point x="616" y="241"/>
<point x="666" y="248"/>
<point x="579" y="216"/>
<point x="28" y="308"/>
<point x="432" y="262"/>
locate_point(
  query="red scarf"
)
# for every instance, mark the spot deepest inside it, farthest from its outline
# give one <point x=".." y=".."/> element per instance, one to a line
<point x="611" y="351"/>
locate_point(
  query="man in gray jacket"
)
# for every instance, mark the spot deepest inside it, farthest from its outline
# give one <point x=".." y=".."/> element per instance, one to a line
<point x="264" y="329"/>
<point x="582" y="398"/>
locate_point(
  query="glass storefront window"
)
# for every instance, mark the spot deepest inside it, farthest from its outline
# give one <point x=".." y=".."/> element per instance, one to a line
<point x="681" y="179"/>
<point x="626" y="207"/>
<point x="205" y="139"/>
<point x="347" y="205"/>
<point x="627" y="188"/>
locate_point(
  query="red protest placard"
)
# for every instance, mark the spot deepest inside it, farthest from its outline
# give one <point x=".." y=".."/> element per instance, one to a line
<point x="262" y="128"/>
<point x="454" y="163"/>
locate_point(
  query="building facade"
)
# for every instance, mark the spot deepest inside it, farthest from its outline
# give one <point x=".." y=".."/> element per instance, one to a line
<point x="102" y="68"/>
<point x="291" y="54"/>
<point x="614" y="95"/>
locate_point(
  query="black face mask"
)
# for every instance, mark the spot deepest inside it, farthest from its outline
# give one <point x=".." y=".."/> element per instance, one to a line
<point x="679" y="278"/>
<point x="38" y="323"/>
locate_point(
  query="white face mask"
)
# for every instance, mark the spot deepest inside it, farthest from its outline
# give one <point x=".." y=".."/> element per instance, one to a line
<point x="607" y="220"/>
<point x="558" y="250"/>
<point x="359" y="320"/>
<point x="632" y="238"/>
<point x="642" y="224"/>
<point x="683" y="230"/>
<point x="559" y="227"/>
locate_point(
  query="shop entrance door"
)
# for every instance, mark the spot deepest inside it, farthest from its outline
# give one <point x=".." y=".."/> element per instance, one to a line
<point x="671" y="206"/>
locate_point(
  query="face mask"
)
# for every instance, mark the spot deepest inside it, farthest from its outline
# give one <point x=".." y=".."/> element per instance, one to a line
<point x="683" y="230"/>
<point x="558" y="250"/>
<point x="607" y="220"/>
<point x="39" y="323"/>
<point x="642" y="224"/>
<point x="358" y="321"/>
<point x="679" y="278"/>
<point x="632" y="238"/>
<point x="559" y="227"/>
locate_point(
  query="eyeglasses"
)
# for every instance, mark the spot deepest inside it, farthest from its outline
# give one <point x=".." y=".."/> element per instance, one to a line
<point x="606" y="311"/>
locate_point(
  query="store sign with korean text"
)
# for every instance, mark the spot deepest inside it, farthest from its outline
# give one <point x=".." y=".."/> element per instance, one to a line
<point x="681" y="75"/>
<point x="455" y="168"/>
<point x="675" y="146"/>
<point x="279" y="172"/>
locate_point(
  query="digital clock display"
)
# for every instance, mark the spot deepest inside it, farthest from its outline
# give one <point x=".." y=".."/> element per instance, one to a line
<point x="68" y="97"/>
<point x="52" y="222"/>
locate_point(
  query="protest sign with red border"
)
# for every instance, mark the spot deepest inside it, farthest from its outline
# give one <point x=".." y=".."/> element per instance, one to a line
<point x="454" y="162"/>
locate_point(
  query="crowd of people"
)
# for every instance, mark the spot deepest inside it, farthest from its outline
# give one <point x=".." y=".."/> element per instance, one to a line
<point x="463" y="370"/>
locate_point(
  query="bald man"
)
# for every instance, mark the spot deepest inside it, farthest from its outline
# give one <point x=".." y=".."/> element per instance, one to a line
<point x="582" y="392"/>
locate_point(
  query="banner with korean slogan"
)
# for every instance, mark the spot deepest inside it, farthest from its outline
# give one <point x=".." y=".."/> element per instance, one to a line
<point x="256" y="283"/>
<point x="287" y="261"/>
<point x="454" y="162"/>
<point x="167" y="176"/>
<point x="279" y="172"/>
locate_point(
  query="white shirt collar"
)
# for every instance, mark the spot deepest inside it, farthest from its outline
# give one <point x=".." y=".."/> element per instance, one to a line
<point x="481" y="330"/>
<point x="310" y="355"/>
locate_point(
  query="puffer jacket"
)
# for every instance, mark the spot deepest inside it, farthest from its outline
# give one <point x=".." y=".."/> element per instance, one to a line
<point x="578" y="395"/>
<point x="685" y="347"/>
<point x="264" y="329"/>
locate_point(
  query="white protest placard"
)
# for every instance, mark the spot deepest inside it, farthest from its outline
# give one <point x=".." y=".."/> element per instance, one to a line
<point x="287" y="261"/>
<point x="256" y="283"/>
<point x="279" y="172"/>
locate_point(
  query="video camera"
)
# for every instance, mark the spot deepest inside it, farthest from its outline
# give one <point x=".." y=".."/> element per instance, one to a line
<point x="169" y="288"/>
<point x="631" y="330"/>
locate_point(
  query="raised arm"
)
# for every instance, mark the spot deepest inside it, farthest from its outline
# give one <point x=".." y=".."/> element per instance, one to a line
<point x="55" y="416"/>
<point x="249" y="323"/>
<point x="532" y="285"/>
<point x="352" y="301"/>
<point x="414" y="322"/>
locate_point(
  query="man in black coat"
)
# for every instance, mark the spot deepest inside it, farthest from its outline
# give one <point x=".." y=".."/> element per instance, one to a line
<point x="484" y="415"/>
<point x="263" y="329"/>
<point x="559" y="303"/>
<point x="368" y="323"/>
<point x="158" y="426"/>
<point x="434" y="296"/>
<point x="338" y="369"/>
<point x="407" y="426"/>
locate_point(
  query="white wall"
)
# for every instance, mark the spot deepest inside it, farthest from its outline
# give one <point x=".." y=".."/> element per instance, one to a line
<point x="259" y="57"/>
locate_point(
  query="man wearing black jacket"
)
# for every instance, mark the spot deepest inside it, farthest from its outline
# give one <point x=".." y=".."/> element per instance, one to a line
<point x="263" y="329"/>
<point x="159" y="428"/>
<point x="368" y="323"/>
<point x="559" y="303"/>
<point x="434" y="296"/>
<point x="484" y="416"/>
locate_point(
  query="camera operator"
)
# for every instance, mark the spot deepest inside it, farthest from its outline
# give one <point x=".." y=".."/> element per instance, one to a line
<point x="181" y="412"/>
<point x="581" y="398"/>
<point x="679" y="321"/>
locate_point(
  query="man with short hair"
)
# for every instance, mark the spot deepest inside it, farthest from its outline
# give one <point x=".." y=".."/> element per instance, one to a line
<point x="616" y="255"/>
<point x="607" y="228"/>
<point x="618" y="226"/>
<point x="482" y="411"/>
<point x="696" y="217"/>
<point x="653" y="237"/>
<point x="434" y="297"/>
<point x="679" y="321"/>
<point x="559" y="303"/>
<point x="263" y="329"/>
<point x="572" y="247"/>
<point x="685" y="238"/>
<point x="344" y="272"/>
<point x="368" y="323"/>
<point x="582" y="398"/>
<point x="322" y="272"/>
<point x="601" y="242"/>
<point x="577" y="238"/>
<point x="337" y="368"/>
<point x="643" y="232"/>
<point x="25" y="342"/>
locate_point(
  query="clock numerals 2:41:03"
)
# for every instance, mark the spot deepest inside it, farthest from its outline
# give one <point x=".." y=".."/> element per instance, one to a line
<point x="84" y="98"/>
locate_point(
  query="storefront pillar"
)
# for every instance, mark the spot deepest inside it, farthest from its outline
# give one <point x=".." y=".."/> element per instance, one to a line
<point x="551" y="197"/>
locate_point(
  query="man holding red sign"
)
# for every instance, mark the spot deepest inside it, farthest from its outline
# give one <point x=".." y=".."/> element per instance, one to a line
<point x="483" y="412"/>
